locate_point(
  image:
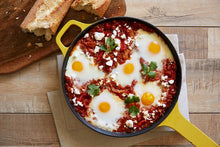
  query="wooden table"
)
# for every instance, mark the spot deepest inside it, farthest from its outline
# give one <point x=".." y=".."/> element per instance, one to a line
<point x="25" y="115"/>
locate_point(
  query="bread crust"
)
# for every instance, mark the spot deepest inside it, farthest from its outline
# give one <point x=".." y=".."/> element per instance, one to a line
<point x="51" y="20"/>
<point x="96" y="7"/>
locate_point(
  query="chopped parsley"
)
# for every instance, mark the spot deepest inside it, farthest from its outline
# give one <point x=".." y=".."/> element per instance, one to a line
<point x="93" y="90"/>
<point x="131" y="99"/>
<point x="109" y="45"/>
<point x="133" y="110"/>
<point x="148" y="70"/>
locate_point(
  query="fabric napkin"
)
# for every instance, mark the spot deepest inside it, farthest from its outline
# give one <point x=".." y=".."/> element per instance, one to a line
<point x="72" y="132"/>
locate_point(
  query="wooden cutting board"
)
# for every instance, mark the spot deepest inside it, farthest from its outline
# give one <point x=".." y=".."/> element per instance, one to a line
<point x="19" y="49"/>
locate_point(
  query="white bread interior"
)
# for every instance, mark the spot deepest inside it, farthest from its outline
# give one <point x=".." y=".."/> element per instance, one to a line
<point x="45" y="17"/>
<point x="97" y="7"/>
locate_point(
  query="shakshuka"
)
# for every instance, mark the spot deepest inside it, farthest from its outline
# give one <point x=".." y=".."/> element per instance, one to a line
<point x="121" y="76"/>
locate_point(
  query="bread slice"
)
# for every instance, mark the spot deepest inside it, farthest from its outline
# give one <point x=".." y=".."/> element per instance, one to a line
<point x="97" y="7"/>
<point x="45" y="17"/>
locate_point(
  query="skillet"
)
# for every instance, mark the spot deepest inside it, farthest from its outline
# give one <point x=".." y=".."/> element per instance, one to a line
<point x="172" y="117"/>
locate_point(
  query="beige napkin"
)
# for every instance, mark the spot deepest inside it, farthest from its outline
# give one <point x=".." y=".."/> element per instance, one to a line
<point x="72" y="132"/>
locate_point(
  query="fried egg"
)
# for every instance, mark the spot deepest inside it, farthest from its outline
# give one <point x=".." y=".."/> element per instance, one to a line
<point x="81" y="67"/>
<point x="129" y="71"/>
<point x="152" y="48"/>
<point x="149" y="93"/>
<point x="107" y="108"/>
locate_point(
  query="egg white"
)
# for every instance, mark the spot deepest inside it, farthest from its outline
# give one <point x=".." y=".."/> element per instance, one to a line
<point x="143" y="40"/>
<point x="151" y="87"/>
<point x="107" y="120"/>
<point x="126" y="79"/>
<point x="89" y="72"/>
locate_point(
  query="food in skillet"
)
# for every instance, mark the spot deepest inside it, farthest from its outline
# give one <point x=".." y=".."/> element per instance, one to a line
<point x="120" y="76"/>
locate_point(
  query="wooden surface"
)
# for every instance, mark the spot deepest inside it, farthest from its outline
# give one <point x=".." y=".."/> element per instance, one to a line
<point x="25" y="115"/>
<point x="18" y="49"/>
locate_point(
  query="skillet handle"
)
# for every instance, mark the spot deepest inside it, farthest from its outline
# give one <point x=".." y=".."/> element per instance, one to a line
<point x="62" y="47"/>
<point x="177" y="122"/>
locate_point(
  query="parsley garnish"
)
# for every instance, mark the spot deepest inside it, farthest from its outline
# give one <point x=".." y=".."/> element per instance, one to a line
<point x="109" y="45"/>
<point x="93" y="90"/>
<point x="133" y="110"/>
<point x="131" y="99"/>
<point x="148" y="70"/>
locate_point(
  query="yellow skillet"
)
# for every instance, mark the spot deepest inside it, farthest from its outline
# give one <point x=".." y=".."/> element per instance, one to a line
<point x="174" y="120"/>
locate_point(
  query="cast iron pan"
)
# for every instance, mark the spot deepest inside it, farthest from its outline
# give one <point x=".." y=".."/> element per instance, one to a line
<point x="172" y="117"/>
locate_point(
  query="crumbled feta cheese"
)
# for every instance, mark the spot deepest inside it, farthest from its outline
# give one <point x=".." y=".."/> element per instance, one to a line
<point x="117" y="48"/>
<point x="74" y="100"/>
<point x="123" y="94"/>
<point x="106" y="39"/>
<point x="146" y="114"/>
<point x="17" y="18"/>
<point x="80" y="103"/>
<point x="123" y="36"/>
<point x="86" y="35"/>
<point x="113" y="36"/>
<point x="171" y="81"/>
<point x="164" y="94"/>
<point x="118" y="42"/>
<point x="129" y="123"/>
<point x="163" y="78"/>
<point x="109" y="58"/>
<point x="130" y="95"/>
<point x="128" y="40"/>
<point x="114" y="32"/>
<point x="165" y="84"/>
<point x="159" y="104"/>
<point x="117" y="29"/>
<point x="115" y="59"/>
<point x="115" y="53"/>
<point x="71" y="90"/>
<point x="101" y="67"/>
<point x="151" y="121"/>
<point x="96" y="50"/>
<point x="164" y="105"/>
<point x="153" y="113"/>
<point x="109" y="63"/>
<point x="113" y="76"/>
<point x="99" y="36"/>
<point x="76" y="91"/>
<point x="148" y="118"/>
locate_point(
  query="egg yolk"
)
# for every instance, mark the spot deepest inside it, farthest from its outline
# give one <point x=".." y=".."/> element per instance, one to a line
<point x="104" y="107"/>
<point x="128" y="68"/>
<point x="77" y="66"/>
<point x="147" y="98"/>
<point x="154" y="47"/>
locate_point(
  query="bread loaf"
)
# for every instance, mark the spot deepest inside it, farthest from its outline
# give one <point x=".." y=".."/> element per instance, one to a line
<point x="97" y="7"/>
<point x="45" y="17"/>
